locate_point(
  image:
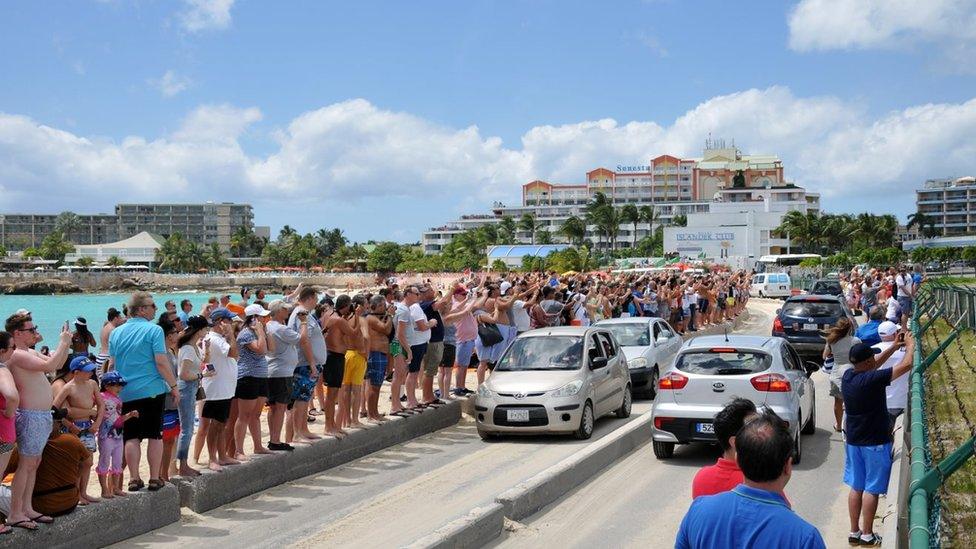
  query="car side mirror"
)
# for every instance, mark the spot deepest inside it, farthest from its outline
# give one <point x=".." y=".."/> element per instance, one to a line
<point x="598" y="362"/>
<point x="811" y="367"/>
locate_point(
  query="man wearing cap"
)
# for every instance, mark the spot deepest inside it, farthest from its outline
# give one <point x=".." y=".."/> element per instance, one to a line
<point x="867" y="465"/>
<point x="282" y="359"/>
<point x="138" y="350"/>
<point x="221" y="348"/>
<point x="897" y="392"/>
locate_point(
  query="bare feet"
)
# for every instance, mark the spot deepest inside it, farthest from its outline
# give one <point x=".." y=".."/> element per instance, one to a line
<point x="189" y="472"/>
<point x="82" y="502"/>
<point x="120" y="493"/>
<point x="262" y="450"/>
<point x="357" y="424"/>
<point x="90" y="499"/>
<point x="379" y="419"/>
<point x="107" y="495"/>
<point x="240" y="457"/>
<point x="310" y="436"/>
<point x="215" y="467"/>
<point x="338" y="433"/>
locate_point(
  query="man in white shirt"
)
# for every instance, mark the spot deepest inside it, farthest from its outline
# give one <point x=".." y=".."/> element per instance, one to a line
<point x="417" y="338"/>
<point x="905" y="287"/>
<point x="897" y="392"/>
<point x="219" y="389"/>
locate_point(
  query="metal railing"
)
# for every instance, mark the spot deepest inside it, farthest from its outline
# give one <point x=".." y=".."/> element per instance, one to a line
<point x="957" y="306"/>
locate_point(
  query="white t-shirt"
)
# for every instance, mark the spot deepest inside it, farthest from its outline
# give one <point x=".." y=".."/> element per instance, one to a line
<point x="223" y="385"/>
<point x="897" y="392"/>
<point x="892" y="312"/>
<point x="403" y="324"/>
<point x="905" y="284"/>
<point x="522" y="321"/>
<point x="418" y="337"/>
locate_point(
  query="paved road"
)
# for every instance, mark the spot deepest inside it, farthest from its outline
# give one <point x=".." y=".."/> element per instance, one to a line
<point x="397" y="495"/>
<point x="639" y="502"/>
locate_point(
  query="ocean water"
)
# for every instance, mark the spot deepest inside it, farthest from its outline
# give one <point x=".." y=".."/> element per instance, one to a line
<point x="50" y="311"/>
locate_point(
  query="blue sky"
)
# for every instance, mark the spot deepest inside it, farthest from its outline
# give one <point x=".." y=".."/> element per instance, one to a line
<point x="384" y="118"/>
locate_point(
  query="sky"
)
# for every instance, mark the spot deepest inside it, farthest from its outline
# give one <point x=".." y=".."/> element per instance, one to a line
<point x="387" y="118"/>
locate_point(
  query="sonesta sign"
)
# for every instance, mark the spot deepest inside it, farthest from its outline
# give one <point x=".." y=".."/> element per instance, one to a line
<point x="628" y="169"/>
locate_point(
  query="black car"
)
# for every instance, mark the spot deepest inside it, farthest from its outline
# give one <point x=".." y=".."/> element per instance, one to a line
<point x="803" y="319"/>
<point x="827" y="286"/>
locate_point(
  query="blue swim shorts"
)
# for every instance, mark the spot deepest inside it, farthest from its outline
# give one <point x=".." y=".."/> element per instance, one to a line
<point x="376" y="368"/>
<point x="867" y="468"/>
<point x="303" y="384"/>
<point x="463" y="352"/>
<point x="33" y="430"/>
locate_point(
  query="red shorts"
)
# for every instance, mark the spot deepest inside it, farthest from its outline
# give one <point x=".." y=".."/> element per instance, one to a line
<point x="171" y="425"/>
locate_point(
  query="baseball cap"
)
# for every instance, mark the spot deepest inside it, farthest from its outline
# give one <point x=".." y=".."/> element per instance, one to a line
<point x="221" y="313"/>
<point x="887" y="329"/>
<point x="23" y="312"/>
<point x="114" y="378"/>
<point x="861" y="352"/>
<point x="255" y="309"/>
<point x="196" y="322"/>
<point x="81" y="364"/>
<point x="505" y="287"/>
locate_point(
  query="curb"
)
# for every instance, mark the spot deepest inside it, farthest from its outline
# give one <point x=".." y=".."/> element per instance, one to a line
<point x="104" y="523"/>
<point x="551" y="484"/>
<point x="475" y="529"/>
<point x="894" y="512"/>
<point x="211" y="490"/>
<point x="485" y="523"/>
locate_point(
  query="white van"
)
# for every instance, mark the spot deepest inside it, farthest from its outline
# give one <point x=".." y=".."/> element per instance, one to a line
<point x="770" y="285"/>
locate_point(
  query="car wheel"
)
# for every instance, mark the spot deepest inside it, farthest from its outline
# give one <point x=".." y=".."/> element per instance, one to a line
<point x="655" y="378"/>
<point x="585" y="429"/>
<point x="663" y="450"/>
<point x="810" y="427"/>
<point x="624" y="410"/>
<point x="486" y="436"/>
<point x="798" y="445"/>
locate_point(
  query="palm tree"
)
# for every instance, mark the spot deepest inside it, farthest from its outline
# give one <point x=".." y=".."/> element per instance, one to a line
<point x="544" y="236"/>
<point x="286" y="232"/>
<point x="574" y="229"/>
<point x="216" y="258"/>
<point x="85" y="261"/>
<point x="680" y="220"/>
<point x="608" y="220"/>
<point x="808" y="230"/>
<point x="67" y="223"/>
<point x="507" y="229"/>
<point x="630" y="214"/>
<point x="924" y="223"/>
<point x="115" y="262"/>
<point x="529" y="225"/>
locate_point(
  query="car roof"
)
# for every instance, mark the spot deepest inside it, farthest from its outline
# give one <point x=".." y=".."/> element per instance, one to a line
<point x="745" y="342"/>
<point x="558" y="331"/>
<point x="628" y="320"/>
<point x="818" y="297"/>
<point x="828" y="280"/>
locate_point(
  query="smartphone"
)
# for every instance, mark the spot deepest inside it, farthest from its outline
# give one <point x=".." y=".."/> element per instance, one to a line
<point x="900" y="337"/>
<point x="67" y="325"/>
<point x="210" y="367"/>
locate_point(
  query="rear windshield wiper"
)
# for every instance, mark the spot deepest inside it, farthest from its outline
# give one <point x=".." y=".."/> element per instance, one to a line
<point x="732" y="371"/>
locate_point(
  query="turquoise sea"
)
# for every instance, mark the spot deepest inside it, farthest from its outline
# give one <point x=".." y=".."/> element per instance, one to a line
<point x="50" y="311"/>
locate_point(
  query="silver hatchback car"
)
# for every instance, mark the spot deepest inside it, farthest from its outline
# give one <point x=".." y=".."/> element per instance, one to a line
<point x="711" y="370"/>
<point x="555" y="380"/>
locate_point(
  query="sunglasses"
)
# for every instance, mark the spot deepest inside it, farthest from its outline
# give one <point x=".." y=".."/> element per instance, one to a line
<point x="31" y="330"/>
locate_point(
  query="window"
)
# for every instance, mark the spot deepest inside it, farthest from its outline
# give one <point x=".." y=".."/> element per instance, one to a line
<point x="596" y="350"/>
<point x="665" y="331"/>
<point x="607" y="345"/>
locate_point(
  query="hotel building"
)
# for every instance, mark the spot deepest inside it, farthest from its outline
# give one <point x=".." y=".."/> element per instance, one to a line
<point x="950" y="203"/>
<point x="205" y="224"/>
<point x="671" y="185"/>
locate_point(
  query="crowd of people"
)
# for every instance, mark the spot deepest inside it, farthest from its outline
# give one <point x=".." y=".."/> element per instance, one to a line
<point x="172" y="383"/>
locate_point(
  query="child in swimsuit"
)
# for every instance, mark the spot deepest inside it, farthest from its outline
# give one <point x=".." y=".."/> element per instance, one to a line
<point x="81" y="393"/>
<point x="110" y="436"/>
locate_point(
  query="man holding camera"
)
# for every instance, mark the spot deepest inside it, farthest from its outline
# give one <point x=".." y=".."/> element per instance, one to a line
<point x="867" y="466"/>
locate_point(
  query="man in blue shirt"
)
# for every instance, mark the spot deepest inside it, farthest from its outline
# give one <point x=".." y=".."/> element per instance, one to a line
<point x="754" y="514"/>
<point x="867" y="462"/>
<point x="138" y="351"/>
<point x="868" y="332"/>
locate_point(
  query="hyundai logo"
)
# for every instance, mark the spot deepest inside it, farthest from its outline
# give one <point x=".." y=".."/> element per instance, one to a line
<point x="519" y="395"/>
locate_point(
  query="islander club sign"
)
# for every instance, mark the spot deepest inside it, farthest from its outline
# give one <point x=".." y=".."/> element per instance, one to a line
<point x="704" y="236"/>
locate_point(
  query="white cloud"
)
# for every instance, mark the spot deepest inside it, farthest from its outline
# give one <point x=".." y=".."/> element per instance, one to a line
<point x="949" y="26"/>
<point x="354" y="150"/>
<point x="171" y="83"/>
<point x="200" y="15"/>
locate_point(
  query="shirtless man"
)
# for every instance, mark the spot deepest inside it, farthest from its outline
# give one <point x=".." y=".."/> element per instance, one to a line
<point x="379" y="322"/>
<point x="355" y="368"/>
<point x="337" y="329"/>
<point x="81" y="394"/>
<point x="115" y="319"/>
<point x="34" y="420"/>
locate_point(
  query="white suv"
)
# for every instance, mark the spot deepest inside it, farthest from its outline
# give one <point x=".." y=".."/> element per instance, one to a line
<point x="709" y="371"/>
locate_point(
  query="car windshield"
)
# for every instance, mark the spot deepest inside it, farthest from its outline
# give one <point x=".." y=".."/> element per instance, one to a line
<point x="830" y="309"/>
<point x="723" y="362"/>
<point x="826" y="288"/>
<point x="543" y="353"/>
<point x="630" y="334"/>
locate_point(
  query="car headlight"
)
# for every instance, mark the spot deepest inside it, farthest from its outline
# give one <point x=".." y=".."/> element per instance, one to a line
<point x="569" y="389"/>
<point x="483" y="391"/>
<point x="639" y="362"/>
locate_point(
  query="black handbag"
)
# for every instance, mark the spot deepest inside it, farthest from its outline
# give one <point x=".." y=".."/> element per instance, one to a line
<point x="489" y="334"/>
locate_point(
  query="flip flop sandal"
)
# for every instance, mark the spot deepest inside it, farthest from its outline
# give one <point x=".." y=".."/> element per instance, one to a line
<point x="401" y="413"/>
<point x="155" y="484"/>
<point x="23" y="524"/>
<point x="42" y="519"/>
<point x="136" y="485"/>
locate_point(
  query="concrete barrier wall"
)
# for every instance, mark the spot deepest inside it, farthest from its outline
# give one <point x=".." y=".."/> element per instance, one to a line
<point x="475" y="529"/>
<point x="100" y="524"/>
<point x="211" y="490"/>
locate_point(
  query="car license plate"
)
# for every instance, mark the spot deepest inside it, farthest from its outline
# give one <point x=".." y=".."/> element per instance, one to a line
<point x="518" y="415"/>
<point x="706" y="428"/>
<point x="813" y="327"/>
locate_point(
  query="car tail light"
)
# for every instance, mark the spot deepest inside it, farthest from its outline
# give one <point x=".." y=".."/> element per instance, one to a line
<point x="777" y="325"/>
<point x="771" y="383"/>
<point x="660" y="421"/>
<point x="722" y="350"/>
<point x="672" y="381"/>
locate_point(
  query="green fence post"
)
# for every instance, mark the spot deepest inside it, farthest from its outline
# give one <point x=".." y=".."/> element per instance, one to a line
<point x="936" y="476"/>
<point x="918" y="503"/>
